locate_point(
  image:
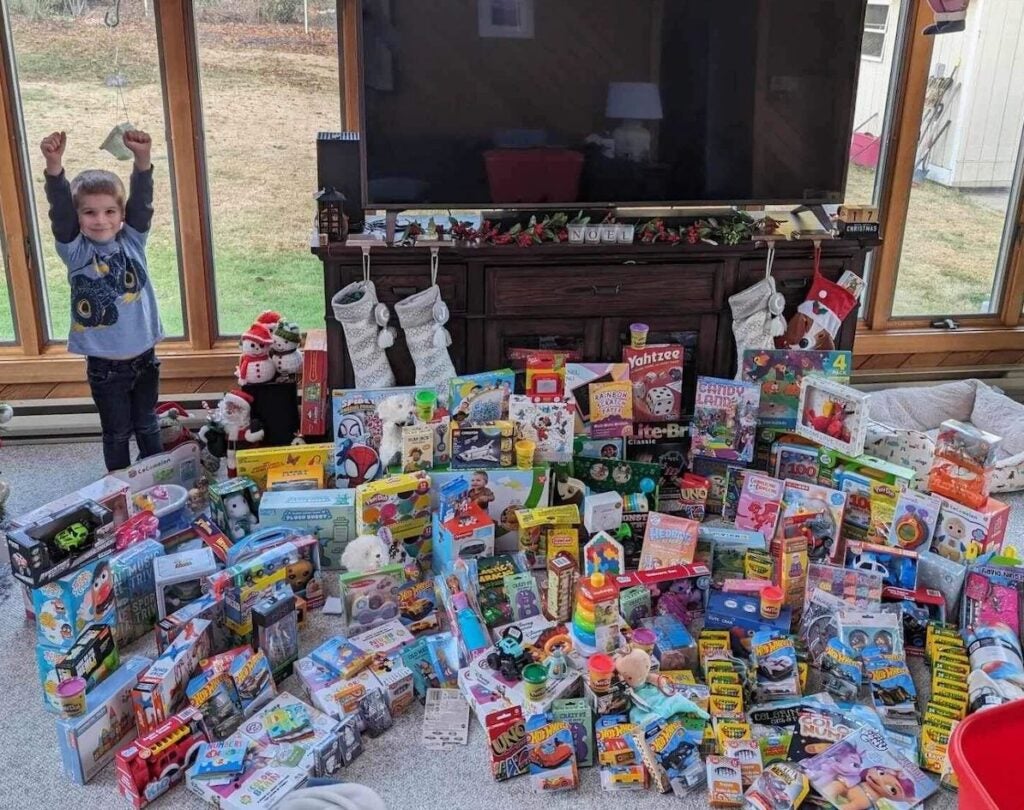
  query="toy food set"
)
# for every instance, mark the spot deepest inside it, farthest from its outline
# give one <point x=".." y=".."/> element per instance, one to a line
<point x="656" y="379"/>
<point x="962" y="463"/>
<point x="65" y="606"/>
<point x="253" y="462"/>
<point x="668" y="540"/>
<point x="327" y="513"/>
<point x="400" y="504"/>
<point x="611" y="409"/>
<point x="60" y="543"/>
<point x="275" y="632"/>
<point x="779" y="372"/>
<point x="132" y="574"/>
<point x="161" y="689"/>
<point x="724" y="419"/>
<point x="759" y="504"/>
<point x="964" y="533"/>
<point x="180" y="578"/>
<point x="549" y="423"/>
<point x="88" y="742"/>
<point x="287" y="477"/>
<point x="157" y="760"/>
<point x="553" y="765"/>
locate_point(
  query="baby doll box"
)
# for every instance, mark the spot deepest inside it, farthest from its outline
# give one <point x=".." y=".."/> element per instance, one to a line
<point x="903" y="423"/>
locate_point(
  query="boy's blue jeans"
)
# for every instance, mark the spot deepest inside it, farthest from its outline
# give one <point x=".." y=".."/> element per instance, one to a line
<point x="125" y="393"/>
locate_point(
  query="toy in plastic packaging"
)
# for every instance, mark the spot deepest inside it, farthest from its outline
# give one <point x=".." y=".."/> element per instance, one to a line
<point x="552" y="754"/>
<point x="675" y="751"/>
<point x="874" y="775"/>
<point x="841" y="671"/>
<point x="862" y="629"/>
<point x="898" y="566"/>
<point x="962" y="463"/>
<point x="935" y="572"/>
<point x="892" y="690"/>
<point x="995" y="650"/>
<point x="781" y="786"/>
<point x="992" y="596"/>
<point x="775" y="658"/>
<point x="914" y="522"/>
<point x="858" y="588"/>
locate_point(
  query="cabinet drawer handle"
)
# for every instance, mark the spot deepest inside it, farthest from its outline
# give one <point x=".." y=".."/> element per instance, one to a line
<point x="402" y="292"/>
<point x="606" y="290"/>
<point x="795" y="283"/>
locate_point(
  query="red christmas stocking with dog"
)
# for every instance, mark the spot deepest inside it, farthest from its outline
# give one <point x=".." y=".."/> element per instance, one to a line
<point x="819" y="317"/>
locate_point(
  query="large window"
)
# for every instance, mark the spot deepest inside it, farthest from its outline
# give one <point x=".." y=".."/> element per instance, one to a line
<point x="875" y="25"/>
<point x="952" y="262"/>
<point x="77" y="74"/>
<point x="269" y="78"/>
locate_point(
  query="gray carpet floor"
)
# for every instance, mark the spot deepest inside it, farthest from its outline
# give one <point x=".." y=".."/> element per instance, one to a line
<point x="394" y="764"/>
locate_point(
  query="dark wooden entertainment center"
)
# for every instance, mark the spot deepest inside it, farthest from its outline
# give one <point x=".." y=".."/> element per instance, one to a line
<point x="582" y="297"/>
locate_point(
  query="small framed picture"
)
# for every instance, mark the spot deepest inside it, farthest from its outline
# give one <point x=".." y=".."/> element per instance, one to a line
<point x="833" y="415"/>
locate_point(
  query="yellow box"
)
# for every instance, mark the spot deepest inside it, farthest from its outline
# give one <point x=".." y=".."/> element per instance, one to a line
<point x="297" y="476"/>
<point x="400" y="504"/>
<point x="255" y="461"/>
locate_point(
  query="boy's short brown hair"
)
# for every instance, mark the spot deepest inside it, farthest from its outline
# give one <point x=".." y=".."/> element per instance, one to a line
<point x="97" y="181"/>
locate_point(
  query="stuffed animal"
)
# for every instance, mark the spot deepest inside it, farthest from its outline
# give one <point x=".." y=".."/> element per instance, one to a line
<point x="652" y="696"/>
<point x="255" y="365"/>
<point x="285" y="351"/>
<point x="170" y="416"/>
<point x="365" y="553"/>
<point x="818" y="319"/>
<point x="243" y="517"/>
<point x="395" y="412"/>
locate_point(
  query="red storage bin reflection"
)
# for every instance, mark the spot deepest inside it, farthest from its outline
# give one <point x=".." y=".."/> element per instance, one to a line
<point x="533" y="175"/>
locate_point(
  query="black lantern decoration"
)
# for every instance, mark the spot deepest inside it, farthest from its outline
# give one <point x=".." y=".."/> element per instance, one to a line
<point x="331" y="219"/>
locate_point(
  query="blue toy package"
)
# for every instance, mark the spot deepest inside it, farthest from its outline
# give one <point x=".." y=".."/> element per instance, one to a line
<point x="443" y="652"/>
<point x="88" y="742"/>
<point x="892" y="691"/>
<point x="677" y="750"/>
<point x="134" y="590"/>
<point x="841" y="671"/>
<point x="215" y="695"/>
<point x="477" y="398"/>
<point x="995" y="650"/>
<point x="66" y="606"/>
<point x="741" y="616"/>
<point x="775" y="658"/>
<point x="253" y="680"/>
<point x="552" y="754"/>
<point x="340" y="656"/>
<point x="897" y="566"/>
<point x="416" y="658"/>
<point x="218" y="763"/>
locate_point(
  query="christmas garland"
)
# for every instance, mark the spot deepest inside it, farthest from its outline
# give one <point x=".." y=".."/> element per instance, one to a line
<point x="731" y="230"/>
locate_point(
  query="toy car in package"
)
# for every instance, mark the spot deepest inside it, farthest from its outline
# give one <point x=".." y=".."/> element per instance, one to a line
<point x="892" y="690"/>
<point x="552" y="754"/>
<point x="775" y="657"/>
<point x="781" y="786"/>
<point x="841" y="671"/>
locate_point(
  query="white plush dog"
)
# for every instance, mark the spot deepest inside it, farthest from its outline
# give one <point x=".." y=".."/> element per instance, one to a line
<point x="365" y="553"/>
<point x="395" y="412"/>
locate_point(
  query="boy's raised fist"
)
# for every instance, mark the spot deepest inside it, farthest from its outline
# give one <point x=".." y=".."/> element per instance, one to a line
<point x="53" y="146"/>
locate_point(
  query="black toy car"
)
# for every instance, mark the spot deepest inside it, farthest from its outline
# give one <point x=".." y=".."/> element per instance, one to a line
<point x="509" y="657"/>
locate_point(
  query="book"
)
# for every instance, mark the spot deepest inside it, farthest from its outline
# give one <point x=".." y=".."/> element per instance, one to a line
<point x="759" y="504"/>
<point x="779" y="372"/>
<point x="656" y="375"/>
<point x="725" y="419"/>
<point x="862" y="770"/>
<point x="668" y="540"/>
<point x="611" y="410"/>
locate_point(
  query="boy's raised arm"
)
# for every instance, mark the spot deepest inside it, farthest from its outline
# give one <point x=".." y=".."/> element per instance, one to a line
<point x="138" y="210"/>
<point x="63" y="217"/>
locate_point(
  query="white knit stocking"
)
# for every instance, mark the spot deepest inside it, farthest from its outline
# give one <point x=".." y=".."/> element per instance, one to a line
<point x="423" y="316"/>
<point x="756" y="318"/>
<point x="367" y="334"/>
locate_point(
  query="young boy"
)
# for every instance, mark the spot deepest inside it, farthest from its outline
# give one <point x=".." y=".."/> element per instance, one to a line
<point x="101" y="238"/>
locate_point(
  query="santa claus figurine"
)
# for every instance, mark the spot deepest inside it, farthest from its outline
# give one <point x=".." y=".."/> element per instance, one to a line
<point x="255" y="365"/>
<point x="231" y="428"/>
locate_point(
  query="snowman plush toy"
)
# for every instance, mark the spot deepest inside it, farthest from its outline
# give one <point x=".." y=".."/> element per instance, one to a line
<point x="255" y="365"/>
<point x="285" y="351"/>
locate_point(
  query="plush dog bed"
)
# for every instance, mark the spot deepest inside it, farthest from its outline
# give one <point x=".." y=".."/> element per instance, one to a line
<point x="904" y="422"/>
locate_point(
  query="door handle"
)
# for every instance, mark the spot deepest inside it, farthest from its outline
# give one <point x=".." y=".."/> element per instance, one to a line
<point x="607" y="289"/>
<point x="794" y="283"/>
<point x="402" y="292"/>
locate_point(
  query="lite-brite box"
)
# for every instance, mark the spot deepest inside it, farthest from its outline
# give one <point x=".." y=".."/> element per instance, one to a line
<point x="500" y="492"/>
<point x="254" y="461"/>
<point x="162" y="689"/>
<point x="67" y="605"/>
<point x="134" y="590"/>
<point x="88" y="742"/>
<point x="327" y="513"/>
<point x="400" y="504"/>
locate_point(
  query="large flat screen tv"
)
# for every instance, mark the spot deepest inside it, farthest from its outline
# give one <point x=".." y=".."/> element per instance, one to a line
<point x="531" y="103"/>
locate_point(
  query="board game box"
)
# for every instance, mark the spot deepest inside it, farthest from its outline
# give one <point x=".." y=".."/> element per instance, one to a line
<point x="656" y="374"/>
<point x="725" y="419"/>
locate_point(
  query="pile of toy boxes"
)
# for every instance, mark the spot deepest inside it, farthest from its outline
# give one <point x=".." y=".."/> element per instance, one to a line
<point x="607" y="583"/>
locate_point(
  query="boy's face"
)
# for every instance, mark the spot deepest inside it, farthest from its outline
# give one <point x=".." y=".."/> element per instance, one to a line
<point x="99" y="216"/>
<point x="477" y="482"/>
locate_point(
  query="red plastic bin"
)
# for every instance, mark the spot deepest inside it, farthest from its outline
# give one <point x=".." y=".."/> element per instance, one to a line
<point x="985" y="753"/>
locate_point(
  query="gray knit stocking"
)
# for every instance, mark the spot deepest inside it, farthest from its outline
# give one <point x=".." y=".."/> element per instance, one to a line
<point x="756" y="318"/>
<point x="423" y="316"/>
<point x="367" y="334"/>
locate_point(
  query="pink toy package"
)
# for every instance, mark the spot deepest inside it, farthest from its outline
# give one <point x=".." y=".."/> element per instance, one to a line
<point x="759" y="504"/>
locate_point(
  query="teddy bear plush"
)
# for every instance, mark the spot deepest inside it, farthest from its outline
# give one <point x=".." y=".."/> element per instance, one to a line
<point x="365" y="553"/>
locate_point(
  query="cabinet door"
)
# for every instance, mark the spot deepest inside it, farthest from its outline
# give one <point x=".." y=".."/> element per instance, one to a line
<point x="397" y="281"/>
<point x="793" y="277"/>
<point x="582" y="335"/>
<point x="696" y="334"/>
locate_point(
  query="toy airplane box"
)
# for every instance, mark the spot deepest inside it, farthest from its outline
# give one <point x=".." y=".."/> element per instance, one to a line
<point x="500" y="492"/>
<point x="327" y="513"/>
<point x="254" y="461"/>
<point x="60" y="543"/>
<point x="402" y="505"/>
<point x="159" y="692"/>
<point x="88" y="742"/>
